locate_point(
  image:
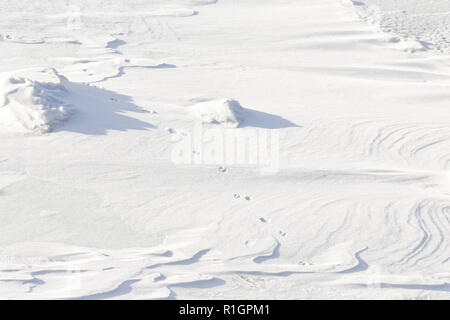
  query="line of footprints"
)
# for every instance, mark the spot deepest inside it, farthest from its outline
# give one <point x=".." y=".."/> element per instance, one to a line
<point x="249" y="198"/>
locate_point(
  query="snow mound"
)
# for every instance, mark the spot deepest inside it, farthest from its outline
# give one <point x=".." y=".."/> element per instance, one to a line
<point x="33" y="104"/>
<point x="227" y="112"/>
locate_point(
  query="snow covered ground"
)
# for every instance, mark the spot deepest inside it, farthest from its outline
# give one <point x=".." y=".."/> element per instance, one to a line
<point x="278" y="149"/>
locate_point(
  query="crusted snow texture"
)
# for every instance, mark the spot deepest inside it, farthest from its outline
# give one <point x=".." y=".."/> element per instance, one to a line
<point x="31" y="104"/>
<point x="227" y="112"/>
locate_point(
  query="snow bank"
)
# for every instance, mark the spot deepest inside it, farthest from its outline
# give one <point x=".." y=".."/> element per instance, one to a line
<point x="227" y="112"/>
<point x="33" y="104"/>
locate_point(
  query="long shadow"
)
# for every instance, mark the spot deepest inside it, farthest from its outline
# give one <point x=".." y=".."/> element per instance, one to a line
<point x="433" y="287"/>
<point x="259" y="119"/>
<point x="194" y="259"/>
<point x="97" y="111"/>
<point x="275" y="254"/>
<point x="123" y="289"/>
<point x="361" y="266"/>
<point x="121" y="70"/>
<point x="200" y="284"/>
<point x="426" y="287"/>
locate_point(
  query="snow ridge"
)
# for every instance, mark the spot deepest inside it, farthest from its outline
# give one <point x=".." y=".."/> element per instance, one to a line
<point x="33" y="105"/>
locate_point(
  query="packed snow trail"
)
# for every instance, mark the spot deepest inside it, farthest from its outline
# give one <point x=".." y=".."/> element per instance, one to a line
<point x="423" y="21"/>
<point x="98" y="209"/>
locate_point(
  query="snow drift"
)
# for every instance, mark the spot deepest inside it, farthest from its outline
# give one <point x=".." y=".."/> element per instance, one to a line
<point x="33" y="104"/>
<point x="227" y="112"/>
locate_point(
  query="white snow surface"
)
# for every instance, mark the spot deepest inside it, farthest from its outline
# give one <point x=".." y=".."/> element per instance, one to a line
<point x="92" y="206"/>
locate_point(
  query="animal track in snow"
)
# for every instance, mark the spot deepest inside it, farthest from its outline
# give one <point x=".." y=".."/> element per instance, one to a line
<point x="223" y="170"/>
<point x="238" y="196"/>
